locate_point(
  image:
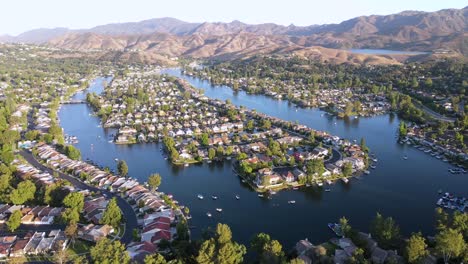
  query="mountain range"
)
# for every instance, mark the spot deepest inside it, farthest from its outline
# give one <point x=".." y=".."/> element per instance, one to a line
<point x="170" y="37"/>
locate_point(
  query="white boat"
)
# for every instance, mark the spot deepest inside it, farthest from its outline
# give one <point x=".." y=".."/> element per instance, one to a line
<point x="214" y="197"/>
<point x="237" y="197"/>
<point x="373" y="167"/>
<point x="345" y="180"/>
<point x="185" y="164"/>
<point x="327" y="190"/>
<point x="260" y="195"/>
<point x="320" y="183"/>
<point x="219" y="209"/>
<point x="329" y="182"/>
<point x="208" y="214"/>
<point x="292" y="202"/>
<point x="405" y="157"/>
<point x="200" y="197"/>
<point x="367" y="172"/>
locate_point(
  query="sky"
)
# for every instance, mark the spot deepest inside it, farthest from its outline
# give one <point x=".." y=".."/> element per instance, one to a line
<point x="22" y="15"/>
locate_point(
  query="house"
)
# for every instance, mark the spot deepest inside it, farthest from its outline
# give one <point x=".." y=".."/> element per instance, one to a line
<point x="288" y="176"/>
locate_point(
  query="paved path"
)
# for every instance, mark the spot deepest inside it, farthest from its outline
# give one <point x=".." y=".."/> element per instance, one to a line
<point x="434" y="114"/>
<point x="128" y="213"/>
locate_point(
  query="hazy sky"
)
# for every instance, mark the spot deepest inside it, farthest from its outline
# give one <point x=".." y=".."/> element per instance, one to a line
<point x="21" y="15"/>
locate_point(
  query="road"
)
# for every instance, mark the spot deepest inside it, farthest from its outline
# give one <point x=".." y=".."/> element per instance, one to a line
<point x="128" y="213"/>
<point x="434" y="114"/>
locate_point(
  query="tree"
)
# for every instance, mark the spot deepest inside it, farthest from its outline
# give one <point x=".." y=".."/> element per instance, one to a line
<point x="154" y="180"/>
<point x="363" y="145"/>
<point x="402" y="129"/>
<point x="71" y="231"/>
<point x="24" y="192"/>
<point x="460" y="223"/>
<point x="345" y="227"/>
<point x="122" y="168"/>
<point x="61" y="254"/>
<point x="416" y="248"/>
<point x="72" y="152"/>
<point x="442" y="219"/>
<point x="154" y="259"/>
<point x="268" y="250"/>
<point x="211" y="153"/>
<point x="347" y="169"/>
<point x="220" y="248"/>
<point x="266" y="124"/>
<point x="385" y="230"/>
<point x="109" y="252"/>
<point x="74" y="200"/>
<point x="205" y="139"/>
<point x="450" y="244"/>
<point x="112" y="215"/>
<point x="250" y="125"/>
<point x="14" y="221"/>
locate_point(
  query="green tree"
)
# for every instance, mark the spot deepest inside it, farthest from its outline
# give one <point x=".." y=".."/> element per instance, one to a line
<point x="385" y="230"/>
<point x="154" y="180"/>
<point x="24" y="192"/>
<point x="109" y="252"/>
<point x="402" y="129"/>
<point x="211" y="153"/>
<point x="205" y="139"/>
<point x="122" y="168"/>
<point x="460" y="223"/>
<point x="450" y="244"/>
<point x="266" y="124"/>
<point x="14" y="221"/>
<point x="112" y="215"/>
<point x="416" y="248"/>
<point x="74" y="200"/>
<point x="345" y="227"/>
<point x="250" y="125"/>
<point x="154" y="259"/>
<point x="72" y="152"/>
<point x="347" y="169"/>
<point x="221" y="249"/>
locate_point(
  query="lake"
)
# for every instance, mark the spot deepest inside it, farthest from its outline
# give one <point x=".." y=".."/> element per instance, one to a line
<point x="386" y="52"/>
<point x="404" y="189"/>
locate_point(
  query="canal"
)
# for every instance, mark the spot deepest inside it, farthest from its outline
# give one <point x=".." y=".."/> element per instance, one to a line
<point x="404" y="189"/>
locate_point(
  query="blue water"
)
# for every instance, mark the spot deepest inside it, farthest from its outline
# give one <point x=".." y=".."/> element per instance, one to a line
<point x="386" y="52"/>
<point x="404" y="189"/>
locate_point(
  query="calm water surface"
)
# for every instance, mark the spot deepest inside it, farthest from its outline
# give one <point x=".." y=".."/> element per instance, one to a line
<point x="404" y="189"/>
<point x="386" y="52"/>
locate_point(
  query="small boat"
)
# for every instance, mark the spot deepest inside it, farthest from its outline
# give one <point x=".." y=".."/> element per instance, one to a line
<point x="295" y="188"/>
<point x="329" y="182"/>
<point x="200" y="197"/>
<point x="345" y="180"/>
<point x="367" y="172"/>
<point x="237" y="197"/>
<point x="185" y="164"/>
<point x="320" y="183"/>
<point x="405" y="157"/>
<point x="327" y="190"/>
<point x="272" y="192"/>
<point x="336" y="228"/>
<point x="373" y="167"/>
<point x="208" y="214"/>
<point x="214" y="197"/>
<point x="219" y="210"/>
<point x="243" y="181"/>
<point x="291" y="202"/>
<point x="116" y="159"/>
<point x="260" y="195"/>
<point x="375" y="160"/>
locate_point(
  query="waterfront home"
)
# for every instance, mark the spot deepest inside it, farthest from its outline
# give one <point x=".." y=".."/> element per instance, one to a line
<point x="93" y="232"/>
<point x="139" y="250"/>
